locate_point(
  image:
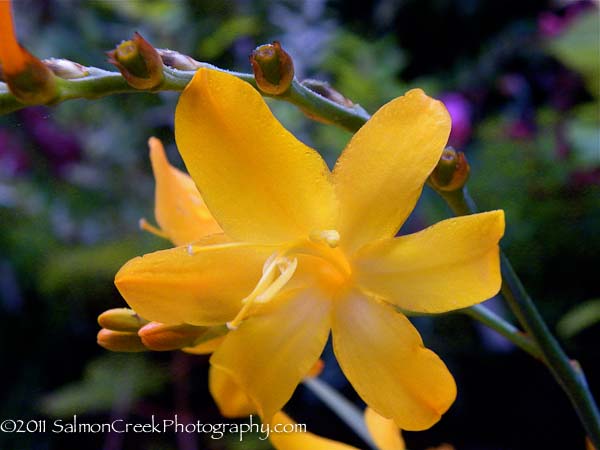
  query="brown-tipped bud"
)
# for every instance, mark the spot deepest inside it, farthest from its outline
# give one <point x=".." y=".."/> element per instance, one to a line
<point x="451" y="172"/>
<point x="324" y="89"/>
<point x="178" y="60"/>
<point x="120" y="341"/>
<point x="121" y="319"/>
<point x="139" y="62"/>
<point x="273" y="68"/>
<point x="161" y="337"/>
<point x="35" y="84"/>
<point x="66" y="69"/>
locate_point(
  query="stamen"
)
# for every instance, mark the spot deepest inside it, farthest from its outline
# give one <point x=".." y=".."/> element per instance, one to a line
<point x="330" y="237"/>
<point x="144" y="225"/>
<point x="287" y="269"/>
<point x="268" y="286"/>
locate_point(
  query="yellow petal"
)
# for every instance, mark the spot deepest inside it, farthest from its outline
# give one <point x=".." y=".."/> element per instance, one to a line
<point x="209" y="343"/>
<point x="450" y="265"/>
<point x="199" y="285"/>
<point x="382" y="355"/>
<point x="284" y="436"/>
<point x="258" y="180"/>
<point x="179" y="208"/>
<point x="384" y="432"/>
<point x="380" y="175"/>
<point x="229" y="397"/>
<point x="270" y="353"/>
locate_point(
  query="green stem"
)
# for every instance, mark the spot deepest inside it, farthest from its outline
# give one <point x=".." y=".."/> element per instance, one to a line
<point x="567" y="373"/>
<point x="340" y="405"/>
<point x="103" y="83"/>
<point x="509" y="331"/>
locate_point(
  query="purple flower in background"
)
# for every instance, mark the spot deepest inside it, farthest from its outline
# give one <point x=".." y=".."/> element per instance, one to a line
<point x="551" y="24"/>
<point x="60" y="147"/>
<point x="460" y="110"/>
<point x="13" y="159"/>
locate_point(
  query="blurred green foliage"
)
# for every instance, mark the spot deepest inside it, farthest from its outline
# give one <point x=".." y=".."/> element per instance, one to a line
<point x="111" y="383"/>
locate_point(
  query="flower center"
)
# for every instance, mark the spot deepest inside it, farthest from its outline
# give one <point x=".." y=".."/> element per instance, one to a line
<point x="329" y="262"/>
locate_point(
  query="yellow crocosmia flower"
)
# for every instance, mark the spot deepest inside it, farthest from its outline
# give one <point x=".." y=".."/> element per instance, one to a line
<point x="300" y="440"/>
<point x="385" y="432"/>
<point x="313" y="251"/>
<point x="179" y="209"/>
<point x="231" y="400"/>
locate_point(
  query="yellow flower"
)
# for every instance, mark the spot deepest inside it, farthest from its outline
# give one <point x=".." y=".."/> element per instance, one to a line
<point x="309" y="250"/>
<point x="179" y="209"/>
<point x="384" y="433"/>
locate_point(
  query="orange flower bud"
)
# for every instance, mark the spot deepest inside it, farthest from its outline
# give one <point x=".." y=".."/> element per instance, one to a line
<point x="121" y="319"/>
<point x="161" y="337"/>
<point x="120" y="341"/>
<point x="29" y="80"/>
<point x="451" y="172"/>
<point x="273" y="68"/>
<point x="139" y="62"/>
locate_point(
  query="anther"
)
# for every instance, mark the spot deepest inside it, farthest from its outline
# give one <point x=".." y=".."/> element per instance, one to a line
<point x="268" y="286"/>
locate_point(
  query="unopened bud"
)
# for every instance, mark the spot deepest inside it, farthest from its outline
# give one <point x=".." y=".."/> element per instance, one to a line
<point x="66" y="69"/>
<point x="324" y="89"/>
<point x="161" y="337"/>
<point x="451" y="172"/>
<point x="273" y="68"/>
<point x="29" y="80"/>
<point x="178" y="60"/>
<point x="139" y="62"/>
<point x="121" y="319"/>
<point x="120" y="341"/>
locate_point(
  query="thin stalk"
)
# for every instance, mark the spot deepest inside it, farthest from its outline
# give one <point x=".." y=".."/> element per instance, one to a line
<point x="567" y="373"/>
<point x="506" y="329"/>
<point x="340" y="405"/>
<point x="102" y="83"/>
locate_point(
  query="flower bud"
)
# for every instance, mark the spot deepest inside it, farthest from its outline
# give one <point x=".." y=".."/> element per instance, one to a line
<point x="273" y="68"/>
<point x="161" y="337"/>
<point x="29" y="80"/>
<point x="178" y="60"/>
<point x="120" y="341"/>
<point x="324" y="89"/>
<point x="66" y="69"/>
<point x="451" y="172"/>
<point x="121" y="319"/>
<point x="139" y="62"/>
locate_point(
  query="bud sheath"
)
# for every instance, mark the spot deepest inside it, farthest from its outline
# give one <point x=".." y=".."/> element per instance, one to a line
<point x="139" y="63"/>
<point x="273" y="68"/>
